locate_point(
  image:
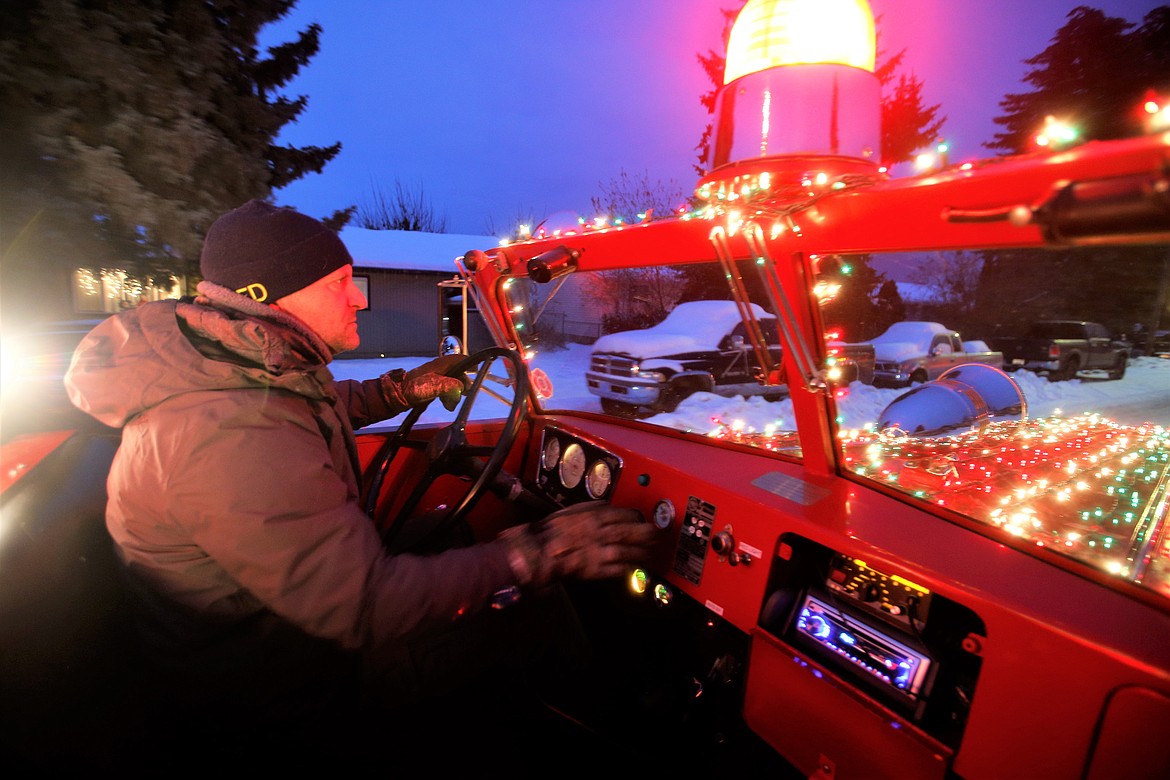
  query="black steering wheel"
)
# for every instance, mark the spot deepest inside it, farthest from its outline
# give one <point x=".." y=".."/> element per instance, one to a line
<point x="448" y="451"/>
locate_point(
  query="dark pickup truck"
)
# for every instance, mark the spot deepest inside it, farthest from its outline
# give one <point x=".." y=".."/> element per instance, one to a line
<point x="700" y="347"/>
<point x="1061" y="349"/>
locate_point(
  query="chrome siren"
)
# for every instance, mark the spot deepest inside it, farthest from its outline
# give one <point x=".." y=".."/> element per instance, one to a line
<point x="964" y="398"/>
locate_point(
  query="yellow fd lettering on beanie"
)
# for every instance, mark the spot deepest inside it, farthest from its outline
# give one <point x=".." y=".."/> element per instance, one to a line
<point x="255" y="291"/>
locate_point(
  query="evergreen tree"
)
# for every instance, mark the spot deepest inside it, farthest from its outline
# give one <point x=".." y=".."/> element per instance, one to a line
<point x="1093" y="74"/>
<point x="1120" y="287"/>
<point x="907" y="125"/>
<point x="129" y="125"/>
<point x="713" y="64"/>
<point x="889" y="306"/>
<point x="857" y="312"/>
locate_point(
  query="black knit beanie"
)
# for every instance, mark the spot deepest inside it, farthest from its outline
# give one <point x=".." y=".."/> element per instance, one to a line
<point x="266" y="252"/>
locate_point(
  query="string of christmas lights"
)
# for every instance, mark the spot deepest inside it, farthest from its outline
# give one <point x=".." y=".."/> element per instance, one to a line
<point x="726" y="198"/>
<point x="1084" y="486"/>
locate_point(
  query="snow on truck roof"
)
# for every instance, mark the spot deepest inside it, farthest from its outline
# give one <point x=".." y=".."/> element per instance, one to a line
<point x="905" y="340"/>
<point x="695" y="326"/>
<point x="914" y="332"/>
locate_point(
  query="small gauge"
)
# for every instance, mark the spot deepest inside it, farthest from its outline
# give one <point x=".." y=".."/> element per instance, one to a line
<point x="572" y="466"/>
<point x="552" y="453"/>
<point x="664" y="514"/>
<point x="598" y="479"/>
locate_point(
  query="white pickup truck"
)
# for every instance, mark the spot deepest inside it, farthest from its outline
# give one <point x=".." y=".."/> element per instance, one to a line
<point x="914" y="351"/>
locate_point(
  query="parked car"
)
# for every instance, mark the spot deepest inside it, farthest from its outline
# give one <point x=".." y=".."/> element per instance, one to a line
<point x="914" y="351"/>
<point x="701" y="346"/>
<point x="1062" y="349"/>
<point x="656" y="367"/>
<point x="1161" y="345"/>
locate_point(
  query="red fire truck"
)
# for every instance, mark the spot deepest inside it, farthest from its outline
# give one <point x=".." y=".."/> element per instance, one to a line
<point x="958" y="586"/>
<point x="969" y="578"/>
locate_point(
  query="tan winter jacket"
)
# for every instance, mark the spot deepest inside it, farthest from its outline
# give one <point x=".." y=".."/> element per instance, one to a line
<point x="234" y="493"/>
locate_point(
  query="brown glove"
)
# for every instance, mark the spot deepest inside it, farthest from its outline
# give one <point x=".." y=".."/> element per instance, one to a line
<point x="587" y="541"/>
<point x="404" y="389"/>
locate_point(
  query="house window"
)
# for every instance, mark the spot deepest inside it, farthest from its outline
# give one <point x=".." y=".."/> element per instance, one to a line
<point x="112" y="290"/>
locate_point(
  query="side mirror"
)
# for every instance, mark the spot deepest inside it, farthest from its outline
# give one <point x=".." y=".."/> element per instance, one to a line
<point x="451" y="345"/>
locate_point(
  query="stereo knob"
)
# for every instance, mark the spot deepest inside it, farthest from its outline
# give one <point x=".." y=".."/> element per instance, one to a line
<point x="819" y="627"/>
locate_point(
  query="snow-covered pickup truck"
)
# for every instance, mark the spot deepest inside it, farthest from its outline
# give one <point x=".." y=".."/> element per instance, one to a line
<point x="1061" y="349"/>
<point x="913" y="351"/>
<point x="701" y="346"/>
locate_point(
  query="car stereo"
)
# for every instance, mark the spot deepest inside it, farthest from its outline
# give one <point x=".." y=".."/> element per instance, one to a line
<point x="878" y="631"/>
<point x="877" y="654"/>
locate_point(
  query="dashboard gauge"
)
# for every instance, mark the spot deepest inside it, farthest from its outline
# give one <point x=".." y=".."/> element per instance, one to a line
<point x="664" y="514"/>
<point x="572" y="466"/>
<point x="552" y="452"/>
<point x="598" y="479"/>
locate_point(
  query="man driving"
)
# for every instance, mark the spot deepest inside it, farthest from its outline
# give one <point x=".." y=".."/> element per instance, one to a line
<point x="264" y="591"/>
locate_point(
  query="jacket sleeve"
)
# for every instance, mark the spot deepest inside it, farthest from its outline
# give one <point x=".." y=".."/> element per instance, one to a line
<point x="258" y="491"/>
<point x="363" y="401"/>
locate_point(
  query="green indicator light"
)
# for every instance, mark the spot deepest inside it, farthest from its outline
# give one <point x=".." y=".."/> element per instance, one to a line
<point x="663" y="594"/>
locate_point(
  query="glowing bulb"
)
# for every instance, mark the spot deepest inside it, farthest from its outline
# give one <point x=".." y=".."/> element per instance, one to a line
<point x="734" y="221"/>
<point x="773" y="33"/>
<point x="639" y="581"/>
<point x="924" y="161"/>
<point x="1056" y="133"/>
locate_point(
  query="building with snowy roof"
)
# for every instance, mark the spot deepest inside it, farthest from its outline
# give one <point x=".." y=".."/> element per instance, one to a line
<point x="409" y="279"/>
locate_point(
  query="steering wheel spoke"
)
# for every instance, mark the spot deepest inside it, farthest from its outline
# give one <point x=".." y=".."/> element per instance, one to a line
<point x="448" y="451"/>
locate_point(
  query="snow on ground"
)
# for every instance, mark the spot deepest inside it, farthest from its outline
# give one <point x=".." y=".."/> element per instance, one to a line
<point x="1143" y="395"/>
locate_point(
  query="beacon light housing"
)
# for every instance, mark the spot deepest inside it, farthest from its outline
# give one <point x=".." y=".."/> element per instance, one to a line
<point x="799" y="80"/>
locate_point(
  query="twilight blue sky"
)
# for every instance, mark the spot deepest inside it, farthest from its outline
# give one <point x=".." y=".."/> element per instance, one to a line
<point x="498" y="109"/>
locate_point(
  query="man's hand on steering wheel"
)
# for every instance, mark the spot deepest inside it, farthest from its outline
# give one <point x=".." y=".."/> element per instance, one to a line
<point x="405" y="389"/>
<point x="447" y="450"/>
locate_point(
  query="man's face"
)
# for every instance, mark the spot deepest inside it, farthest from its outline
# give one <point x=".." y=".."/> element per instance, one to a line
<point x="329" y="306"/>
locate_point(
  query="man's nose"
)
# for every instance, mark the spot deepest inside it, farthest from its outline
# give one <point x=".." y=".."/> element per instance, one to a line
<point x="356" y="298"/>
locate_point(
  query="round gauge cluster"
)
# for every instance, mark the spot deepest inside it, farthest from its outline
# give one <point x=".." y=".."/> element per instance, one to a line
<point x="575" y="468"/>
